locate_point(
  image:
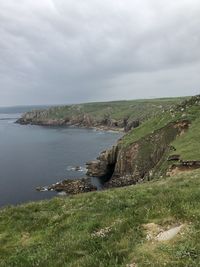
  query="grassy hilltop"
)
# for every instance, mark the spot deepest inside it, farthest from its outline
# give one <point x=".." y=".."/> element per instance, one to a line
<point x="116" y="114"/>
<point x="115" y="109"/>
<point x="116" y="227"/>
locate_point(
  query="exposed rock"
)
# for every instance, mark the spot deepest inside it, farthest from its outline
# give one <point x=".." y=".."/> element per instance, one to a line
<point x="183" y="166"/>
<point x="105" y="231"/>
<point x="172" y="148"/>
<point x="193" y="101"/>
<point x="190" y="163"/>
<point x="70" y="186"/>
<point x="173" y="157"/>
<point x="44" y="117"/>
<point x="104" y="165"/>
<point x="135" y="161"/>
<point x="158" y="233"/>
<point x="169" y="234"/>
<point x="132" y="164"/>
<point x="132" y="124"/>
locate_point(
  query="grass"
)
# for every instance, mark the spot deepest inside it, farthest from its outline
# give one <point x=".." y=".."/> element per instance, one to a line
<point x="65" y="231"/>
<point x="147" y="127"/>
<point x="188" y="145"/>
<point x="59" y="232"/>
<point x="156" y="121"/>
<point x="117" y="110"/>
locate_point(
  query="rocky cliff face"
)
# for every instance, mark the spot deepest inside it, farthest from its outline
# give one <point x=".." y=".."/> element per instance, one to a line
<point x="128" y="165"/>
<point x="105" y="163"/>
<point x="42" y="117"/>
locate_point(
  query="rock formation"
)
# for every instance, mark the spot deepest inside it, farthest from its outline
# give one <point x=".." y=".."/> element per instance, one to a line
<point x="128" y="165"/>
<point x="70" y="186"/>
<point x="43" y="117"/>
<point x="104" y="165"/>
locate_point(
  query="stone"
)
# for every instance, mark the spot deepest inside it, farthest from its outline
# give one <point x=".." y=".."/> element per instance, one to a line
<point x="173" y="157"/>
<point x="71" y="186"/>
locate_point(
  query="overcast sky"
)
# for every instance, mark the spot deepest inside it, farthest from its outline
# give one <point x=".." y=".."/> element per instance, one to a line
<point x="70" y="51"/>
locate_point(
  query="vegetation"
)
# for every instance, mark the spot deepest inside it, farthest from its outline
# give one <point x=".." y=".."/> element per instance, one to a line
<point x="61" y="232"/>
<point x="107" y="228"/>
<point x="188" y="146"/>
<point x="188" y="110"/>
<point x="147" y="127"/>
<point x="133" y="109"/>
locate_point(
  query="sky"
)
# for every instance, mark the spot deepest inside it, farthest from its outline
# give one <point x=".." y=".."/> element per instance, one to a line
<point x="66" y="51"/>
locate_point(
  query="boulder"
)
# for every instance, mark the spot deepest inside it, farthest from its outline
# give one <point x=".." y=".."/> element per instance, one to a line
<point x="70" y="186"/>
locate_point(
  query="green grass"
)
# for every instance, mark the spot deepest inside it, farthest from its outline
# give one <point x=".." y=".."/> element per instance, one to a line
<point x="156" y="121"/>
<point x="117" y="110"/>
<point x="59" y="232"/>
<point x="188" y="145"/>
<point x="147" y="127"/>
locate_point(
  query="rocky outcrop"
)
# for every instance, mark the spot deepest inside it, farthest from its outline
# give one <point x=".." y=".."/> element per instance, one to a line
<point x="174" y="157"/>
<point x="71" y="187"/>
<point x="104" y="165"/>
<point x="128" y="165"/>
<point x="45" y="118"/>
<point x="131" y="125"/>
<point x="39" y="117"/>
<point x="183" y="166"/>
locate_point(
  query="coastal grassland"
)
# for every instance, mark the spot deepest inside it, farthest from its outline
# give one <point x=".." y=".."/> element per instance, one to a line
<point x="147" y="127"/>
<point x="188" y="145"/>
<point x="188" y="110"/>
<point x="132" y="109"/>
<point x="105" y="228"/>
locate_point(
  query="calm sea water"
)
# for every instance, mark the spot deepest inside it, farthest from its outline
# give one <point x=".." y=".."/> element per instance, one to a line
<point x="32" y="156"/>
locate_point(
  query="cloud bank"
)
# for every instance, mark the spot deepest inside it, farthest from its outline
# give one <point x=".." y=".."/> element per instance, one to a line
<point x="65" y="51"/>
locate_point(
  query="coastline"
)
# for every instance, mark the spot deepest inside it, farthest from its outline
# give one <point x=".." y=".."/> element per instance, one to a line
<point x="67" y="125"/>
<point x="43" y="156"/>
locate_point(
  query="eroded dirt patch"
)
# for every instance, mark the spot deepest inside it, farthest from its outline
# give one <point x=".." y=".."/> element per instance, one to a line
<point x="183" y="166"/>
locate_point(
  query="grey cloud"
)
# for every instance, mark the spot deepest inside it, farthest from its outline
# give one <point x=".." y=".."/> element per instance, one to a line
<point x="75" y="51"/>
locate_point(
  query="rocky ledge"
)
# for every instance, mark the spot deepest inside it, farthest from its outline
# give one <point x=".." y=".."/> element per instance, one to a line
<point x="70" y="187"/>
<point x="183" y="166"/>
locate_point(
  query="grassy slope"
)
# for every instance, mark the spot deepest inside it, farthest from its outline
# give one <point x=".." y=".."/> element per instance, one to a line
<point x="188" y="146"/>
<point x="190" y="140"/>
<point x="141" y="109"/>
<point x="150" y="125"/>
<point x="59" y="232"/>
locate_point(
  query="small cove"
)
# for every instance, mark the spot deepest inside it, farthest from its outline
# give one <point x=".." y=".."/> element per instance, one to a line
<point x="32" y="156"/>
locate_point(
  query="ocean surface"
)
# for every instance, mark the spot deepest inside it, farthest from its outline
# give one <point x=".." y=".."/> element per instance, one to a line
<point x="32" y="156"/>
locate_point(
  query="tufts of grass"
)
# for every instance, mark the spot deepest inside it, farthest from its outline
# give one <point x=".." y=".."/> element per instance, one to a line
<point x="188" y="145"/>
<point x="117" y="110"/>
<point x="60" y="232"/>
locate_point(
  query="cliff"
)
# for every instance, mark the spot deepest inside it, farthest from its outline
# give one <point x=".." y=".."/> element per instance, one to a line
<point x="148" y="151"/>
<point x="127" y="226"/>
<point x="79" y="120"/>
<point x="130" y="164"/>
<point x="117" y="115"/>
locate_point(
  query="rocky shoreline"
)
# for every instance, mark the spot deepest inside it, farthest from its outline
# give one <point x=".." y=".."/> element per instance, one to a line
<point x="122" y="166"/>
<point x="81" y="121"/>
<point x="70" y="187"/>
<point x="128" y="162"/>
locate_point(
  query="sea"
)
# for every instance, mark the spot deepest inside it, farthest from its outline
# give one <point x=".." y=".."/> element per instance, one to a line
<point x="33" y="156"/>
